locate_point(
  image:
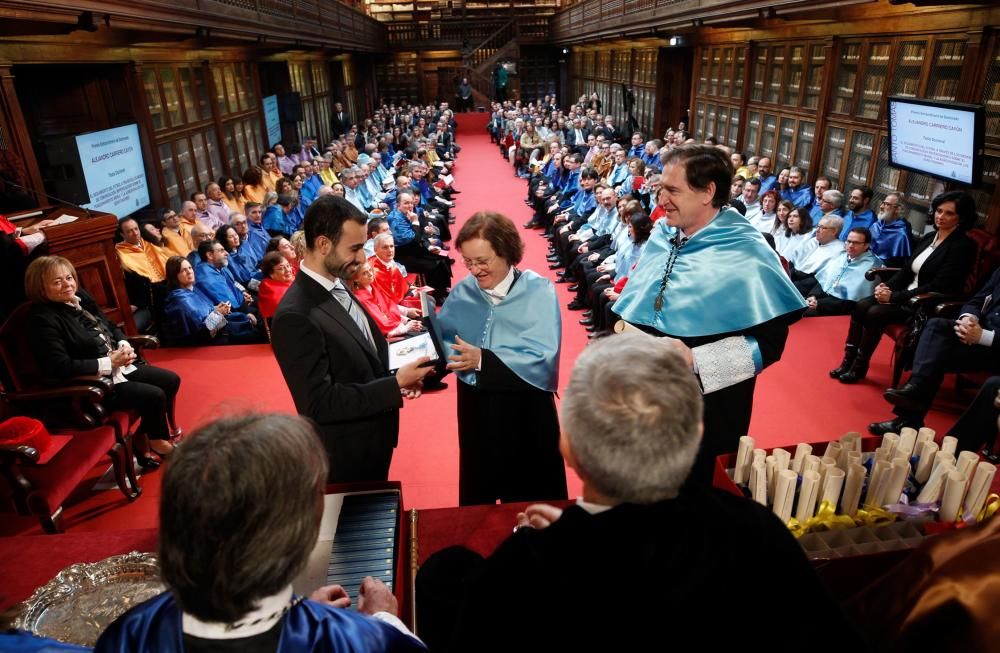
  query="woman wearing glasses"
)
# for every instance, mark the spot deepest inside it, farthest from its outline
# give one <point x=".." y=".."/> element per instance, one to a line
<point x="503" y="330"/>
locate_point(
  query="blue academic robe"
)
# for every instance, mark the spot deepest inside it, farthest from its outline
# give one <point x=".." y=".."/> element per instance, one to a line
<point x="725" y="279"/>
<point x="891" y="240"/>
<point x="217" y="285"/>
<point x="155" y="626"/>
<point x="801" y="196"/>
<point x="845" y="279"/>
<point x="402" y="229"/>
<point x="240" y="267"/>
<point x="637" y="151"/>
<point x="185" y="312"/>
<point x="767" y="183"/>
<point x="256" y="243"/>
<point x="276" y="221"/>
<point x="523" y="330"/>
<point x="854" y="220"/>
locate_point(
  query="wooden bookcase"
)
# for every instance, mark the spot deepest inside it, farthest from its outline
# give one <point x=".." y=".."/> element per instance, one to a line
<point x="604" y="71"/>
<point x="821" y="104"/>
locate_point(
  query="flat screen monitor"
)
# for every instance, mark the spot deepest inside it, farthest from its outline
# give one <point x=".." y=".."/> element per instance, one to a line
<point x="272" y="119"/>
<point x="935" y="138"/>
<point x="113" y="170"/>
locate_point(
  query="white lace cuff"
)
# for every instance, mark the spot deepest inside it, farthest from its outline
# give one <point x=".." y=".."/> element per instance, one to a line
<point x="214" y="321"/>
<point x="727" y="362"/>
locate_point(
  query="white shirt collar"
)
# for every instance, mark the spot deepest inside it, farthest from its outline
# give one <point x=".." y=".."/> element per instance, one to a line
<point x="592" y="508"/>
<point x="328" y="285"/>
<point x="269" y="610"/>
<point x="498" y="292"/>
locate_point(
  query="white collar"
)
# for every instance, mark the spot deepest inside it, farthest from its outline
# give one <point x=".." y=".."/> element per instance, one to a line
<point x="501" y="289"/>
<point x="269" y="610"/>
<point x="592" y="508"/>
<point x="328" y="284"/>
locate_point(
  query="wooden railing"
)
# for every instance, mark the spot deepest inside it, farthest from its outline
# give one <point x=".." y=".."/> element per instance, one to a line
<point x="310" y="23"/>
<point x="589" y="19"/>
<point x="498" y="45"/>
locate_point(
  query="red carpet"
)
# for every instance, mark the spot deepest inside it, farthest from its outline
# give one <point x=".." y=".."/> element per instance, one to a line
<point x="796" y="401"/>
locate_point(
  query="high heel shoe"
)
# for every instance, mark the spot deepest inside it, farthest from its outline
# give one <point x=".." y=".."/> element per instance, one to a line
<point x="146" y="462"/>
<point x="162" y="448"/>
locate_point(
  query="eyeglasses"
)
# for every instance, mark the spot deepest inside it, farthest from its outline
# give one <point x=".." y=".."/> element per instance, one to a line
<point x="856" y="242"/>
<point x="890" y="204"/>
<point x="478" y="264"/>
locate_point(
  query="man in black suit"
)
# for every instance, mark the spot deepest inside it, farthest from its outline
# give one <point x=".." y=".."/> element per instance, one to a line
<point x="969" y="343"/>
<point x="340" y="122"/>
<point x="332" y="354"/>
<point x="576" y="136"/>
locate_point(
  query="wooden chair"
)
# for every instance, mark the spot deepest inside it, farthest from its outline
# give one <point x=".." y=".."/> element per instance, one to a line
<point x="905" y="336"/>
<point x="76" y="404"/>
<point x="41" y="489"/>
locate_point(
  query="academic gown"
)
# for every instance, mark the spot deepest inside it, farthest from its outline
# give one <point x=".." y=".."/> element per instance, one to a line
<point x="187" y="316"/>
<point x="730" y="301"/>
<point x="155" y="626"/>
<point x="508" y="429"/>
<point x="634" y="575"/>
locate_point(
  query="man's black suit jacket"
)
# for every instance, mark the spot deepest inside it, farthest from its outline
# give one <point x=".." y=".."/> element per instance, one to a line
<point x="340" y="125"/>
<point x="985" y="305"/>
<point x="338" y="380"/>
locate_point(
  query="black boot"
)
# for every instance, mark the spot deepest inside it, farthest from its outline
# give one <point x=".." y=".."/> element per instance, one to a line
<point x="850" y="353"/>
<point x="859" y="369"/>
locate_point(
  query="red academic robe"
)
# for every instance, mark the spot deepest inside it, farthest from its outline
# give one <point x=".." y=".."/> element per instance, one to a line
<point x="392" y="284"/>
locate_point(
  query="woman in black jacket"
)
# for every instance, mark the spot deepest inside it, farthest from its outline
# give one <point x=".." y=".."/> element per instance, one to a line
<point x="70" y="336"/>
<point x="941" y="262"/>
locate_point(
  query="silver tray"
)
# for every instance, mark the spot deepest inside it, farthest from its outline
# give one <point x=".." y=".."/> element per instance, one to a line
<point x="82" y="600"/>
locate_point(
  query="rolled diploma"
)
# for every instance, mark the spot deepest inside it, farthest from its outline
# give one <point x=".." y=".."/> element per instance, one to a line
<point x="741" y="473"/>
<point x="781" y="459"/>
<point x="951" y="502"/>
<point x="772" y="475"/>
<point x="966" y="463"/>
<point x="931" y="491"/>
<point x="949" y="444"/>
<point x="979" y="487"/>
<point x="879" y="471"/>
<point x="907" y="440"/>
<point x="759" y="454"/>
<point x="807" y="496"/>
<point x="812" y="464"/>
<point x="836" y="451"/>
<point x="926" y="461"/>
<point x="851" y="440"/>
<point x="890" y="441"/>
<point x="758" y="481"/>
<point x="942" y="457"/>
<point x="826" y="463"/>
<point x="801" y="451"/>
<point x="853" y="457"/>
<point x="832" y="486"/>
<point x="784" y="494"/>
<point x="852" y="489"/>
<point x="924" y="436"/>
<point x="895" y="478"/>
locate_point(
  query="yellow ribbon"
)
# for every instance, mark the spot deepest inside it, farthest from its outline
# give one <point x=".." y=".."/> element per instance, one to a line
<point x="874" y="516"/>
<point x="989" y="508"/>
<point x="825" y="519"/>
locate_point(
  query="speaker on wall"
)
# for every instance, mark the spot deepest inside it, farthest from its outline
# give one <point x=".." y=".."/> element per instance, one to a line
<point x="289" y="107"/>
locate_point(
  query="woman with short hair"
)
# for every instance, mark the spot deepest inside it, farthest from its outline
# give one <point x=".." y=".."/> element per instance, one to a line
<point x="501" y="326"/>
<point x="70" y="336"/>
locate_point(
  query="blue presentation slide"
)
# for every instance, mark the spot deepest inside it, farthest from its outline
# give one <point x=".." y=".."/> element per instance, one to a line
<point x="272" y="119"/>
<point x="113" y="170"/>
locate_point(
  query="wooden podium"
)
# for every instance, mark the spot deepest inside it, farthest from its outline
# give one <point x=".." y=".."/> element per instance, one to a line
<point x="89" y="244"/>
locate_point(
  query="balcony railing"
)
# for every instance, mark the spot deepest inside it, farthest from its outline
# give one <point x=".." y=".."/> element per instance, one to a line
<point x="590" y="19"/>
<point x="310" y="23"/>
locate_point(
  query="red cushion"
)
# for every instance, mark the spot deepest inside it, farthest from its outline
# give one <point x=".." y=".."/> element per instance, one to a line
<point x="54" y="481"/>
